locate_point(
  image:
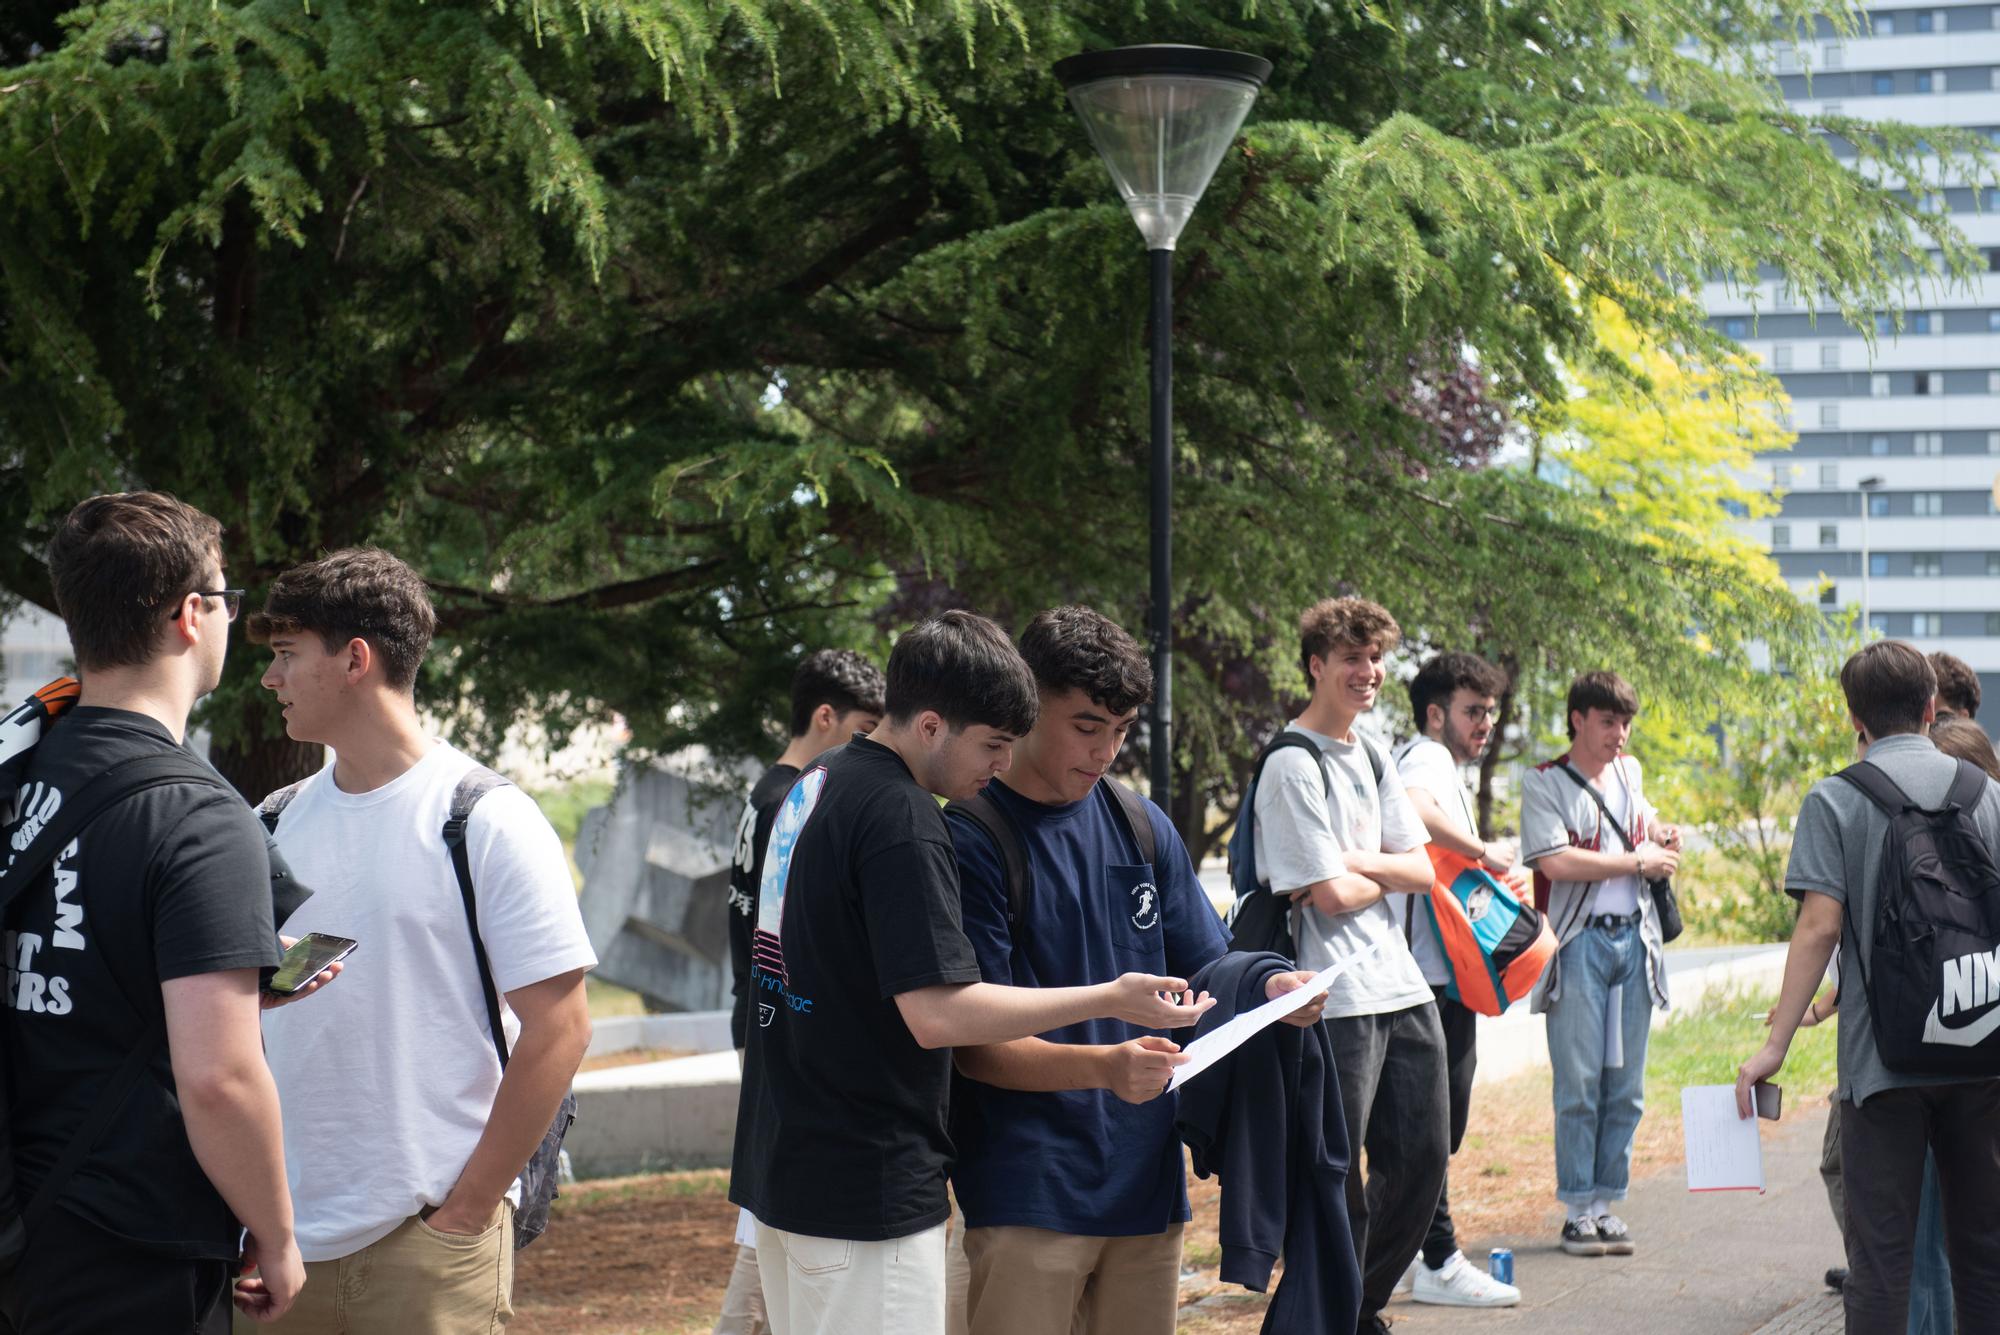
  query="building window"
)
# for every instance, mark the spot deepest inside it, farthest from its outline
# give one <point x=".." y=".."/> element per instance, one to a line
<point x="1993" y="322"/>
<point x="1829" y="475"/>
<point x="1927" y="565"/>
<point x="1878" y="564"/>
<point x="1884" y="25"/>
<point x="1781" y="477"/>
<point x="1993" y="382"/>
<point x="1829" y="414"/>
<point x="1927" y="504"/>
<point x="1829" y="595"/>
<point x="1879" y="621"/>
<point x="1929" y="382"/>
<point x="1993" y="623"/>
<point x="1781" y="356"/>
<point x="1926" y="81"/>
<point x="1925" y="22"/>
<point x="1878" y="385"/>
<point x="1926" y="625"/>
<point x="1832" y="56"/>
<point x="1829" y="536"/>
<point x="1885" y="323"/>
<point x="1992" y="568"/>
<point x="1925" y="322"/>
<point x="1879" y="445"/>
<point x="1781" y="535"/>
<point x="1788" y="60"/>
<point x="1885" y="84"/>
<point x="1878" y="505"/>
<point x="1928" y="442"/>
<point x="1736" y="327"/>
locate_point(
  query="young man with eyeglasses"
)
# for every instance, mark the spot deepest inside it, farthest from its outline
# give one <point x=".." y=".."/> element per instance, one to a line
<point x="149" y="931"/>
<point x="1610" y="970"/>
<point x="1454" y="699"/>
<point x="406" y="1135"/>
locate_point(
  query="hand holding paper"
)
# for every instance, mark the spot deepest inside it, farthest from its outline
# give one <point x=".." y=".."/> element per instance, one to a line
<point x="1219" y="1042"/>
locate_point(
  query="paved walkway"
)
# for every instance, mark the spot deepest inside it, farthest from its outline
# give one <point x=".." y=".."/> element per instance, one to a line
<point x="1714" y="1264"/>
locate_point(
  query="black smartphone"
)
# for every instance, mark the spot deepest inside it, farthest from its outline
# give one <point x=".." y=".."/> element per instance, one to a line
<point x="307" y="959"/>
<point x="1768" y="1099"/>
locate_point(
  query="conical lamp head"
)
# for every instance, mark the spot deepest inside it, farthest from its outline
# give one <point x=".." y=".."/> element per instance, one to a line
<point x="1161" y="117"/>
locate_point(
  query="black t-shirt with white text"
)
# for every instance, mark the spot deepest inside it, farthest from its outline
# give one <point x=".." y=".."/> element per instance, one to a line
<point x="753" y="836"/>
<point x="170" y="883"/>
<point x="841" y="1129"/>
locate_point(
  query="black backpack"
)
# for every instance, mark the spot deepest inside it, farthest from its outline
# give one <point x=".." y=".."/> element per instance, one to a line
<point x="41" y="836"/>
<point x="540" y="1180"/>
<point x="1260" y="919"/>
<point x="991" y="817"/>
<point x="1932" y="975"/>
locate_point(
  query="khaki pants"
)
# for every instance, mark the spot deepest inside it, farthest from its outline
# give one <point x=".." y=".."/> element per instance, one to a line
<point x="743" y="1301"/>
<point x="1031" y="1281"/>
<point x="831" y="1286"/>
<point x="416" y="1281"/>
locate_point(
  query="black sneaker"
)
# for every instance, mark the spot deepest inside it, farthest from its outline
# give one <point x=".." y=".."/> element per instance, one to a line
<point x="1580" y="1237"/>
<point x="1616" y="1237"/>
<point x="1836" y="1278"/>
<point x="1374" y="1325"/>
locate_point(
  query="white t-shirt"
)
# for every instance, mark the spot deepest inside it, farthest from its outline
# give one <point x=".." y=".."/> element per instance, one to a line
<point x="1427" y="764"/>
<point x="1299" y="842"/>
<point x="387" y="1076"/>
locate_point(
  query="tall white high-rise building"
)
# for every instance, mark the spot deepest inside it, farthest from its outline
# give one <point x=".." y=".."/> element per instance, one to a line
<point x="1890" y="491"/>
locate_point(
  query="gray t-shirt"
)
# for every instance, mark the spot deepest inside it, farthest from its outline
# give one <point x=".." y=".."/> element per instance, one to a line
<point x="1299" y="842"/>
<point x="1837" y="851"/>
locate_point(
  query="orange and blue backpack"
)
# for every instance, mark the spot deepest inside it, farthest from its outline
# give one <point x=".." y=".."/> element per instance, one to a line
<point x="1495" y="945"/>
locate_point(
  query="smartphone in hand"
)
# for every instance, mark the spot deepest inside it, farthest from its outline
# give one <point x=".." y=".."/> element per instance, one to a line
<point x="309" y="956"/>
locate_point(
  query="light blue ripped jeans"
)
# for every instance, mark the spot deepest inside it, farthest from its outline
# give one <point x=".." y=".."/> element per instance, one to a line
<point x="1598" y="1105"/>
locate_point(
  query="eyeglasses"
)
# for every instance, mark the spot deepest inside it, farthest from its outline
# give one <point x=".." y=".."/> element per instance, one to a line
<point x="1491" y="713"/>
<point x="232" y="601"/>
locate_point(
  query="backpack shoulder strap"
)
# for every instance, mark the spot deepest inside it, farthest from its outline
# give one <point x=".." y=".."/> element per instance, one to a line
<point x="274" y="805"/>
<point x="1967" y="787"/>
<point x="1137" y="819"/>
<point x="478" y="782"/>
<point x="987" y="814"/>
<point x="1876" y="785"/>
<point x="1602" y="806"/>
<point x="1375" y="761"/>
<point x="1287" y="738"/>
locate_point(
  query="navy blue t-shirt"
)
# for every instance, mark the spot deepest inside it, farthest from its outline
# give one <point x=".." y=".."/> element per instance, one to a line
<point x="1076" y="1161"/>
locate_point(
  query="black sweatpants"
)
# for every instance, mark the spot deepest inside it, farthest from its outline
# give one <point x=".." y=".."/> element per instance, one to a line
<point x="1392" y="1091"/>
<point x="1882" y="1155"/>
<point x="77" y="1279"/>
<point x="1460" y="1058"/>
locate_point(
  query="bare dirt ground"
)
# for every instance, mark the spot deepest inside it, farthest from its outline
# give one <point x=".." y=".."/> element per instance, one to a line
<point x="651" y="1255"/>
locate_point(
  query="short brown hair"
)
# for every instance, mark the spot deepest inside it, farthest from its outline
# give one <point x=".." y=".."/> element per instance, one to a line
<point x="1887" y="685"/>
<point x="1599" y="690"/>
<point x="1333" y="623"/>
<point x="1962" y="739"/>
<point x="1957" y="685"/>
<point x="118" y="562"/>
<point x="358" y="593"/>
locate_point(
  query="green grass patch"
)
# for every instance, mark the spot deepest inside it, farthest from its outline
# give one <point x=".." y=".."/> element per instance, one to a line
<point x="608" y="999"/>
<point x="566" y="806"/>
<point x="1704" y="1046"/>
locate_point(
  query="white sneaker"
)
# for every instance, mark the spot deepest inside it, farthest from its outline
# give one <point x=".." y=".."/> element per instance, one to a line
<point x="1409" y="1276"/>
<point x="1459" y="1283"/>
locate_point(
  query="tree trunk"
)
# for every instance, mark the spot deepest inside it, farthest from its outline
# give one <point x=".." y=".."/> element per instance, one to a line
<point x="1490" y="762"/>
<point x="267" y="764"/>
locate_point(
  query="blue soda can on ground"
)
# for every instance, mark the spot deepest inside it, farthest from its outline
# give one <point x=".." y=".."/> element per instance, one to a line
<point x="1500" y="1264"/>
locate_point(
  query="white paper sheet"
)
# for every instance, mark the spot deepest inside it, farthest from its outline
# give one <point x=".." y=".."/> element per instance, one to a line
<point x="1723" y="1153"/>
<point x="746" y="1229"/>
<point x="1219" y="1042"/>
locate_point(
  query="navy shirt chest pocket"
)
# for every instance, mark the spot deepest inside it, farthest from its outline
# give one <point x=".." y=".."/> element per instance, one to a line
<point x="1133" y="916"/>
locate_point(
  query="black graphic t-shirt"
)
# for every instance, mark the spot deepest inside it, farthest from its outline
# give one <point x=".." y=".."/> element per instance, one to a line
<point x="170" y="883"/>
<point x="753" y="835"/>
<point x="841" y="1128"/>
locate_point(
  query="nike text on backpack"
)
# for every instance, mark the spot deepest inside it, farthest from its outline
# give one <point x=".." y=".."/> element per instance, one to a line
<point x="540" y="1179"/>
<point x="1495" y="946"/>
<point x="1931" y="971"/>
<point x="42" y="835"/>
<point x="1259" y="919"/>
<point x="991" y="817"/>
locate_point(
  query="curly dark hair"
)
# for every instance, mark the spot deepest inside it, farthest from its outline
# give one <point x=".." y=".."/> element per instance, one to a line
<point x="1447" y="674"/>
<point x="1081" y="648"/>
<point x="837" y="677"/>
<point x="1333" y="623"/>
<point x="1957" y="686"/>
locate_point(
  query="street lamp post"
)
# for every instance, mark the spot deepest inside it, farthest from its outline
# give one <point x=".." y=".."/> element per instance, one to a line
<point x="1161" y="117"/>
<point x="1868" y="485"/>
